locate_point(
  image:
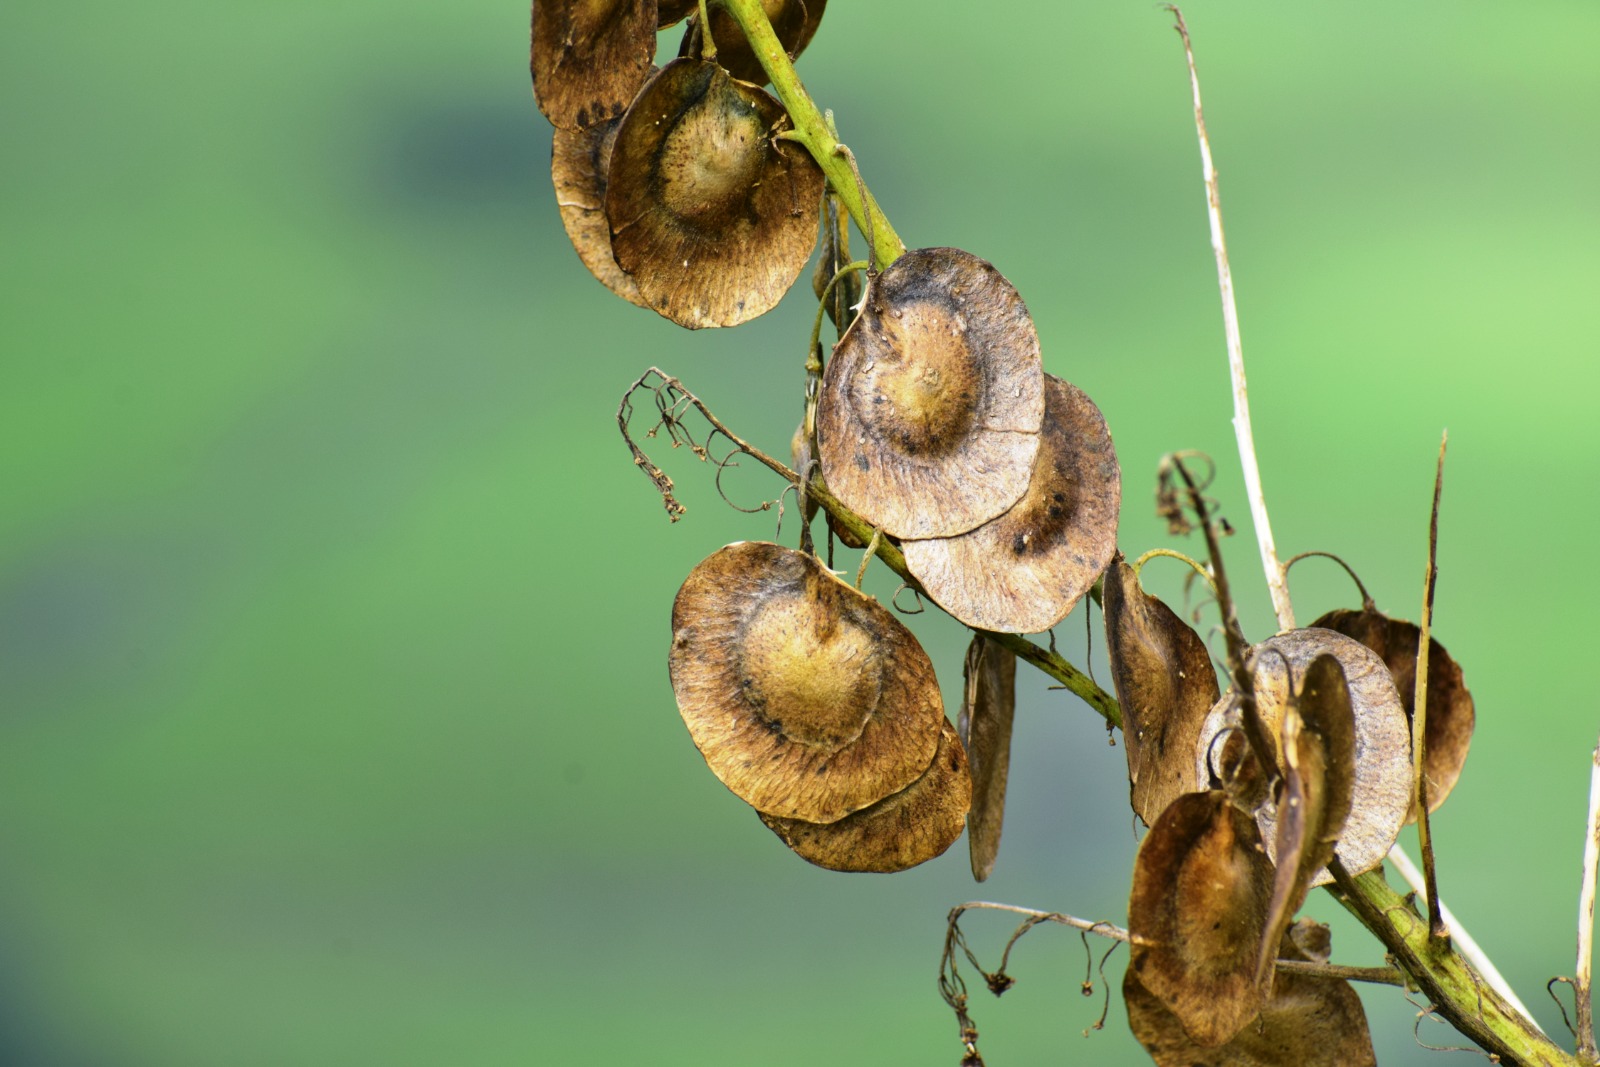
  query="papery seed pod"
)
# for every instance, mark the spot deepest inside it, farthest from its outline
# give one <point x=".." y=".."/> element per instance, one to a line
<point x="928" y="421"/>
<point x="1306" y="1022"/>
<point x="807" y="699"/>
<point x="1024" y="569"/>
<point x="1166" y="686"/>
<point x="712" y="216"/>
<point x="1451" y="716"/>
<point x="794" y="21"/>
<point x="1201" y="884"/>
<point x="987" y="710"/>
<point x="589" y="57"/>
<point x="903" y="829"/>
<point x="669" y="12"/>
<point x="579" y="160"/>
<point x="1382" y="789"/>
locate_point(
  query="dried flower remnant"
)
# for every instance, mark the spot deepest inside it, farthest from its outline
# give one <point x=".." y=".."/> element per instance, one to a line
<point x="1025" y="569"/>
<point x="794" y="21"/>
<point x="987" y="711"/>
<point x="1306" y="1022"/>
<point x="1166" y="686"/>
<point x="928" y="421"/>
<point x="1451" y="716"/>
<point x="589" y="57"/>
<point x="806" y="698"/>
<point x="1382" y="789"/>
<point x="711" y="215"/>
<point x="579" y="160"/>
<point x="903" y="829"/>
<point x="1201" y="884"/>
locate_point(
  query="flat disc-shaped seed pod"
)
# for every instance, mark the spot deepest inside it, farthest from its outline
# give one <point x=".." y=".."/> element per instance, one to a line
<point x="902" y="830"/>
<point x="713" y="217"/>
<point x="1200" y="888"/>
<point x="928" y="420"/>
<point x="671" y="11"/>
<point x="794" y="21"/>
<point x="987" y="711"/>
<point x="589" y="57"/>
<point x="1166" y="686"/>
<point x="578" y="165"/>
<point x="1451" y="716"/>
<point x="1307" y="1022"/>
<point x="808" y="699"/>
<point x="1023" y="570"/>
<point x="1318" y="746"/>
<point x="1382" y="790"/>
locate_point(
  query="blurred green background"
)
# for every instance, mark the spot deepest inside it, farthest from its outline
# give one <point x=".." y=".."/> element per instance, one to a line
<point x="334" y="717"/>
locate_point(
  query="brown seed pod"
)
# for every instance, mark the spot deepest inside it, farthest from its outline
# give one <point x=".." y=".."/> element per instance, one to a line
<point x="1319" y="765"/>
<point x="1307" y="1022"/>
<point x="794" y="21"/>
<point x="1382" y="790"/>
<point x="1451" y="717"/>
<point x="1166" y="686"/>
<point x="1023" y="570"/>
<point x="987" y="711"/>
<point x="808" y="699"/>
<point x="578" y="163"/>
<point x="589" y="57"/>
<point x="713" y="217"/>
<point x="1197" y="911"/>
<point x="928" y="420"/>
<point x="902" y="830"/>
<point x="800" y="460"/>
<point x="669" y="12"/>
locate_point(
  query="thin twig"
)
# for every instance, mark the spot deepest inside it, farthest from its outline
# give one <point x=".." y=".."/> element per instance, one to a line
<point x="1462" y="941"/>
<point x="1591" y="859"/>
<point x="1276" y="582"/>
<point x="1438" y="932"/>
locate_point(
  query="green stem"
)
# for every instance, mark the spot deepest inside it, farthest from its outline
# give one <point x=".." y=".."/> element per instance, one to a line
<point x="811" y="130"/>
<point x="1462" y="996"/>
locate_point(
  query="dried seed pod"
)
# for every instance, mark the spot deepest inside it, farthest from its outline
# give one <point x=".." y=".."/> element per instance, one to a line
<point x="987" y="711"/>
<point x="1166" y="686"/>
<point x="1319" y="764"/>
<point x="1451" y="717"/>
<point x="669" y="12"/>
<point x="589" y="57"/>
<point x="928" y="420"/>
<point x="902" y="830"/>
<point x="579" y="160"/>
<point x="1382" y="789"/>
<point x="1307" y="1022"/>
<point x="1023" y="570"/>
<point x="800" y="459"/>
<point x="713" y="217"/>
<point x="794" y="21"/>
<point x="1197" y="911"/>
<point x="808" y="699"/>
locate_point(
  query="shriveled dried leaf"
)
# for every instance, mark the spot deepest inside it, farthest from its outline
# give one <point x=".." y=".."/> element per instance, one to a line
<point x="1201" y="883"/>
<point x="1451" y="717"/>
<point x="579" y="161"/>
<point x="928" y="421"/>
<point x="1023" y="570"/>
<point x="1382" y="790"/>
<point x="589" y="57"/>
<point x="1166" y="686"/>
<point x="1318" y="743"/>
<point x="1307" y="1022"/>
<point x="712" y="216"/>
<point x="985" y="726"/>
<point x="806" y="698"/>
<point x="902" y="830"/>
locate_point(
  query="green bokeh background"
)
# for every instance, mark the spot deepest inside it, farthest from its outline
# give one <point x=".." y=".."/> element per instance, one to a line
<point x="334" y="719"/>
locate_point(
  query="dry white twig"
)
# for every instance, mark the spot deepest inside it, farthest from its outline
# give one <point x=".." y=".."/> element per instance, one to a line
<point x="1277" y="583"/>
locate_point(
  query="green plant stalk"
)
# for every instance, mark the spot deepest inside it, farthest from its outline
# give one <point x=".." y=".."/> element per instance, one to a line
<point x="811" y="130"/>
<point x="1468" y="1002"/>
